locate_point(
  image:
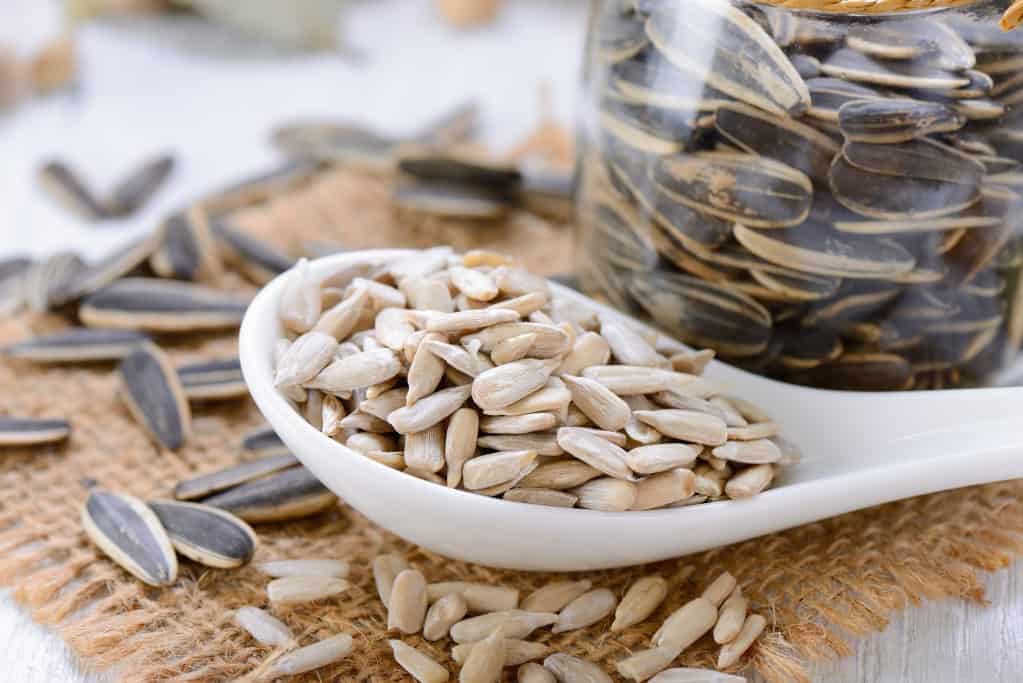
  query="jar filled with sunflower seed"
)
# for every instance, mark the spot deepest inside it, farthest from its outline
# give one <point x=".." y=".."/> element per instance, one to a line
<point x="828" y="195"/>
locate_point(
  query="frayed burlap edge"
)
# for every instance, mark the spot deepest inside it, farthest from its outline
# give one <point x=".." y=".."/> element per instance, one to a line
<point x="820" y="586"/>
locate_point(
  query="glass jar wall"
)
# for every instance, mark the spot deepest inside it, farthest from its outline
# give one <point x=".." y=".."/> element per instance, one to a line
<point x="832" y="200"/>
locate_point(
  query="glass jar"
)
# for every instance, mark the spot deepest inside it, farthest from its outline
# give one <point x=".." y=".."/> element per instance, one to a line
<point x="830" y="199"/>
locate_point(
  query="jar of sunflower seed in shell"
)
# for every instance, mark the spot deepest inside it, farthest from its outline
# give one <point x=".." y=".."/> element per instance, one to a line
<point x="830" y="195"/>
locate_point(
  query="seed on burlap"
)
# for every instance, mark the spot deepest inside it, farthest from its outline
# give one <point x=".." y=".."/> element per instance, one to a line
<point x="327" y="651"/>
<point x="731" y="618"/>
<point x="531" y="672"/>
<point x="690" y="675"/>
<point x="586" y="610"/>
<point x="357" y="371"/>
<point x="749" y="482"/>
<point x="569" y="669"/>
<point x="289" y="494"/>
<point x="720" y="588"/>
<point x="645" y="663"/>
<point x="553" y="397"/>
<point x="23" y="431"/>
<point x="130" y="534"/>
<point x="607" y="410"/>
<point x="420" y="666"/>
<point x="385" y="569"/>
<point x="518" y="424"/>
<point x="514" y="624"/>
<point x="480" y="598"/>
<point x="430" y="410"/>
<point x="554" y="596"/>
<point x="281" y="568"/>
<point x="443" y="614"/>
<point x="687" y="624"/>
<point x="503" y="385"/>
<point x="485" y="662"/>
<point x="77" y="345"/>
<point x="339" y="321"/>
<point x="588" y="350"/>
<point x="426" y="294"/>
<point x="152" y="391"/>
<point x="304" y="588"/>
<point x="300" y="301"/>
<point x="516" y="651"/>
<point x="661" y="457"/>
<point x="595" y="451"/>
<point x="407" y="602"/>
<point x="206" y="534"/>
<point x="750" y="631"/>
<point x="687" y="425"/>
<point x="535" y="496"/>
<point x="512" y="349"/>
<point x="639" y="602"/>
<point x="264" y="627"/>
<point x="751" y="452"/>
<point x="464" y="321"/>
<point x="494" y="469"/>
<point x="607" y="494"/>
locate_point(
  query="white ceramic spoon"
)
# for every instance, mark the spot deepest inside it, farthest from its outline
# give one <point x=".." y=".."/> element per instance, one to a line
<point x="860" y="449"/>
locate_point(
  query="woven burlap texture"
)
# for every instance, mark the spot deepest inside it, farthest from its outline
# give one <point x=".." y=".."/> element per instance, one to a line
<point x="819" y="586"/>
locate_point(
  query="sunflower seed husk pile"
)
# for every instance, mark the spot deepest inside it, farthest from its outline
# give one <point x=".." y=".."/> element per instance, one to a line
<point x="803" y="194"/>
<point x="462" y="370"/>
<point x="488" y="629"/>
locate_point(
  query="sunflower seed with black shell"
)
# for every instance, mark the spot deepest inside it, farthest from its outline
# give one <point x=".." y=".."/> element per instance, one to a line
<point x="781" y="138"/>
<point x="207" y="484"/>
<point x="924" y="158"/>
<point x="857" y="300"/>
<point x="132" y="193"/>
<point x="619" y="36"/>
<point x="49" y="284"/>
<point x="161" y="306"/>
<point x="117" y="265"/>
<point x="899" y="197"/>
<point x="456" y="200"/>
<point x="254" y="258"/>
<point x="814" y="247"/>
<point x="154" y="395"/>
<point x="261" y="187"/>
<point x="188" y="250"/>
<point x="213" y="380"/>
<point x="926" y="39"/>
<point x="749" y="189"/>
<point x="719" y="44"/>
<point x="431" y="166"/>
<point x="859" y="371"/>
<point x="827" y="95"/>
<point x="896" y="120"/>
<point x="131" y="535"/>
<point x="855" y="66"/>
<point x="703" y="313"/>
<point x="264" y="442"/>
<point x="290" y="494"/>
<point x="206" y="534"/>
<point x="23" y="431"/>
<point x="77" y="345"/>
<point x="64" y="184"/>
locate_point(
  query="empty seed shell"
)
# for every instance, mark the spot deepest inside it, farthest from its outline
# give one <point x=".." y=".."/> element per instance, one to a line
<point x="161" y="306"/>
<point x="290" y="494"/>
<point x="153" y="393"/>
<point x="131" y="535"/>
<point x="206" y="534"/>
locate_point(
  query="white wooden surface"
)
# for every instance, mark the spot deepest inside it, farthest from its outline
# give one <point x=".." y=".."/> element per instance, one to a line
<point x="210" y="97"/>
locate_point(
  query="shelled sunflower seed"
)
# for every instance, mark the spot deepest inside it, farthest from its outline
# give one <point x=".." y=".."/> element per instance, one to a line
<point x="749" y="171"/>
<point x="543" y="428"/>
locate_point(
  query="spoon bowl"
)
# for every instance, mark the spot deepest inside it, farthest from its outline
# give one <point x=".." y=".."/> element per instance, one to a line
<point x="860" y="449"/>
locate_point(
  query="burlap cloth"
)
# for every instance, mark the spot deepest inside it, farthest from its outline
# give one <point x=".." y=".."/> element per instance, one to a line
<point x="819" y="585"/>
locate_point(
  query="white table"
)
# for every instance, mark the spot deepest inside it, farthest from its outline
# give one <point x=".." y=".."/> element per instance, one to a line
<point x="210" y="96"/>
